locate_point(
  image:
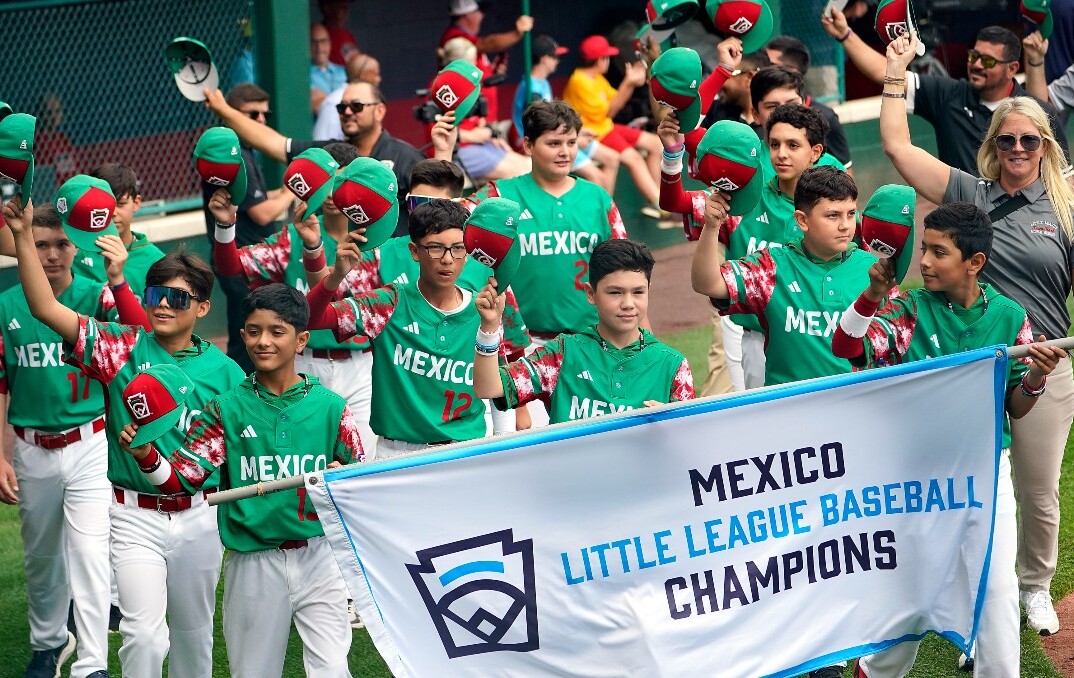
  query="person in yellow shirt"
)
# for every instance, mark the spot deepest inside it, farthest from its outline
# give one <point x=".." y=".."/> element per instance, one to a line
<point x="590" y="93"/>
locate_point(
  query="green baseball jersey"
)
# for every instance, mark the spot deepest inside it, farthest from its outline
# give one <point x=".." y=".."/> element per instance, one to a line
<point x="278" y="259"/>
<point x="395" y="264"/>
<point x="141" y="254"/>
<point x="114" y="354"/>
<point x="585" y="376"/>
<point x="45" y="392"/>
<point x="557" y="237"/>
<point x="798" y="300"/>
<point x="923" y="324"/>
<point x="423" y="374"/>
<point x="255" y="436"/>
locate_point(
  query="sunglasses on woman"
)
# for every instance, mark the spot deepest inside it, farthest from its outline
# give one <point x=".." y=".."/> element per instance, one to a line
<point x="986" y="60"/>
<point x="1006" y="142"/>
<point x="178" y="300"/>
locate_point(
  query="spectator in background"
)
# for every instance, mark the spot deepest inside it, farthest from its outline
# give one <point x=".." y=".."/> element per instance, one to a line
<point x="790" y="52"/>
<point x="466" y="19"/>
<point x="362" y="68"/>
<point x="597" y="102"/>
<point x="733" y="102"/>
<point x="482" y="153"/>
<point x="257" y="216"/>
<point x="55" y="156"/>
<point x="325" y="76"/>
<point x="334" y="16"/>
<point x="546" y="53"/>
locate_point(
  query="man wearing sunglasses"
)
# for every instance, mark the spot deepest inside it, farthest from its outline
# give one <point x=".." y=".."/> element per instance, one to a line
<point x="959" y="110"/>
<point x="361" y="116"/>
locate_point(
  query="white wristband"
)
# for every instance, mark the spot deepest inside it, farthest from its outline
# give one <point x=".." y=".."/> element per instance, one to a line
<point x="853" y="323"/>
<point x="224" y="234"/>
<point x="671" y="168"/>
<point x="162" y="474"/>
<point x="487" y="338"/>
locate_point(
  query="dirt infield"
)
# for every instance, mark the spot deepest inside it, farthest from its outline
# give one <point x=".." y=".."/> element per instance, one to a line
<point x="1060" y="647"/>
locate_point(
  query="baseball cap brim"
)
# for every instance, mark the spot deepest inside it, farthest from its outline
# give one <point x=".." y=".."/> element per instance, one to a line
<point x="154" y="430"/>
<point x="378" y="232"/>
<point x="746" y="198"/>
<point x="192" y="67"/>
<point x="27" y="186"/>
<point x="88" y="241"/>
<point x="237" y="189"/>
<point x="466" y="105"/>
<point x="761" y="33"/>
<point x="505" y="272"/>
<point x="659" y="35"/>
<point x="194" y="91"/>
<point x="689" y="117"/>
<point x="316" y="200"/>
<point x="5" y="110"/>
<point x="1046" y="26"/>
<point x="902" y="261"/>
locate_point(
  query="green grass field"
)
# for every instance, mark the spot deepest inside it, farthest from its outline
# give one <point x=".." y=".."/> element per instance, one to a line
<point x="936" y="659"/>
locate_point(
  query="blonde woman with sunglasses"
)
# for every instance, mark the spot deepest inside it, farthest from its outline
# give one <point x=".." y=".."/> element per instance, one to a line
<point x="1021" y="184"/>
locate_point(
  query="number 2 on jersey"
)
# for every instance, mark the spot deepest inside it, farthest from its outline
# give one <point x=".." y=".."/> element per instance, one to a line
<point x="73" y="378"/>
<point x="450" y="397"/>
<point x="583" y="269"/>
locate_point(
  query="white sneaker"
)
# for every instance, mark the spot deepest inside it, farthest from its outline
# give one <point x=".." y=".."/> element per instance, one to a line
<point x="355" y="619"/>
<point x="1040" y="615"/>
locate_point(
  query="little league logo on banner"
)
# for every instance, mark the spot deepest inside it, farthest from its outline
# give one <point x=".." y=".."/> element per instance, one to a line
<point x="709" y="538"/>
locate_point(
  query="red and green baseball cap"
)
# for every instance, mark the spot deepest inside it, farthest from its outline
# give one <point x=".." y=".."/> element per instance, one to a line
<point x="17" y="151"/>
<point x="367" y="193"/>
<point x="676" y="75"/>
<point x="1040" y="13"/>
<point x="729" y="159"/>
<point x="86" y="205"/>
<point x="456" y="88"/>
<point x="309" y="177"/>
<point x="219" y="162"/>
<point x="893" y="19"/>
<point x="192" y="66"/>
<point x="491" y="238"/>
<point x="749" y="20"/>
<point x="888" y="225"/>
<point x="663" y="16"/>
<point x="154" y="400"/>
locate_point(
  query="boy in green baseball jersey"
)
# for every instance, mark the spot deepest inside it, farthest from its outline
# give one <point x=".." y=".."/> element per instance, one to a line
<point x="141" y="254"/>
<point x="955" y="312"/>
<point x="614" y="365"/>
<point x="795" y="140"/>
<point x="276" y="423"/>
<point x="798" y="291"/>
<point x="151" y="534"/>
<point x="423" y="376"/>
<point x="56" y="472"/>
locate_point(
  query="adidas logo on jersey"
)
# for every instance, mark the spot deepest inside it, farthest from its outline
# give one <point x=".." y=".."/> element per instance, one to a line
<point x="14" y="324"/>
<point x="402" y="279"/>
<point x="525" y="215"/>
<point x="586" y="375"/>
<point x="87" y="261"/>
<point x="763" y="218"/>
<point x="794" y="287"/>
<point x="412" y="328"/>
<point x="248" y="432"/>
<point x="144" y="366"/>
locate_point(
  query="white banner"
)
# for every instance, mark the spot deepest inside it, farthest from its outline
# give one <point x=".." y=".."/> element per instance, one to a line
<point x="769" y="533"/>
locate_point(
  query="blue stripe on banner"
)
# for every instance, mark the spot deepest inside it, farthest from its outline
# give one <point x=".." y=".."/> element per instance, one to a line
<point x="470" y="568"/>
<point x="664" y="413"/>
<point x="853" y="653"/>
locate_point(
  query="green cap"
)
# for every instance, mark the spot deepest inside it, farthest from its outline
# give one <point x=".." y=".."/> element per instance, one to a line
<point x="218" y="160"/>
<point x="749" y="20"/>
<point x="367" y="193"/>
<point x="309" y="177"/>
<point x="888" y="225"/>
<point x="729" y="160"/>
<point x="676" y="75"/>
<point x="192" y="66"/>
<point x="1040" y="13"/>
<point x="17" y="151"/>
<point x="154" y="399"/>
<point x="491" y="238"/>
<point x="663" y="16"/>
<point x="86" y="205"/>
<point x="456" y="88"/>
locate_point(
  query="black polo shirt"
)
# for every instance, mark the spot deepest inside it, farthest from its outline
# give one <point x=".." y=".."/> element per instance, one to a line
<point x="247" y="231"/>
<point x="398" y="155"/>
<point x="960" y="119"/>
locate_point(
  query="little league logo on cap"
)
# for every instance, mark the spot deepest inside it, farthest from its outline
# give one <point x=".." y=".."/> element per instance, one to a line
<point x="192" y="66"/>
<point x="85" y="205"/>
<point x="1040" y="13"/>
<point x="491" y="238"/>
<point x="366" y="193"/>
<point x="219" y="162"/>
<point x="154" y="400"/>
<point x="309" y="177"/>
<point x="749" y="20"/>
<point x="888" y="225"/>
<point x="456" y="88"/>
<point x="17" y="151"/>
<point x="894" y="20"/>
<point x="729" y="159"/>
<point x="676" y="75"/>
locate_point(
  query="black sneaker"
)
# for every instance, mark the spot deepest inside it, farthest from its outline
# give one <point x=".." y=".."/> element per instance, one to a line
<point x="828" y="672"/>
<point x="98" y="674"/>
<point x="114" y="617"/>
<point x="47" y="663"/>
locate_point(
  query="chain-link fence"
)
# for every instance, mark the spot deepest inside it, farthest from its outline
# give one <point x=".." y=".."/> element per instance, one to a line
<point x="93" y="73"/>
<point x="802" y="20"/>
